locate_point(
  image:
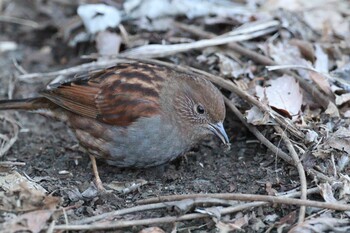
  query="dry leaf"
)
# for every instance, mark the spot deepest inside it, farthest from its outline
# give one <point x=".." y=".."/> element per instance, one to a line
<point x="322" y="224"/>
<point x="34" y="222"/>
<point x="327" y="193"/>
<point x="283" y="94"/>
<point x="256" y="117"/>
<point x="99" y="17"/>
<point x="341" y="99"/>
<point x="340" y="140"/>
<point x="152" y="230"/>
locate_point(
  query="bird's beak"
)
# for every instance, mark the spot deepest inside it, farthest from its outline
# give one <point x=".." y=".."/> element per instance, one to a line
<point x="218" y="130"/>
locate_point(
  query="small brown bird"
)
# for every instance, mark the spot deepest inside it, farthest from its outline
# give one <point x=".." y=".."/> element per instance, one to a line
<point x="133" y="114"/>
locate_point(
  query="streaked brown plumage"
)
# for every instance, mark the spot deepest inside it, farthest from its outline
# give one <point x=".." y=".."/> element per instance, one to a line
<point x="134" y="114"/>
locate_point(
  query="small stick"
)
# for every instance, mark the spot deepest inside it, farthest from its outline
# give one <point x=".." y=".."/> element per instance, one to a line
<point x="10" y="163"/>
<point x="258" y="134"/>
<point x="300" y="169"/>
<point x="259" y="200"/>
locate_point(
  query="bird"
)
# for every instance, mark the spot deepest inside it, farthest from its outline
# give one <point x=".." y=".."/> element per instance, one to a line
<point x="133" y="114"/>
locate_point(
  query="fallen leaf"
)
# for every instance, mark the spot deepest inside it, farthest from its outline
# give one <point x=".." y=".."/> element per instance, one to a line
<point x="327" y="193"/>
<point x="341" y="99"/>
<point x="322" y="224"/>
<point x="34" y="222"/>
<point x="99" y="17"/>
<point x="340" y="140"/>
<point x="283" y="94"/>
<point x="152" y="230"/>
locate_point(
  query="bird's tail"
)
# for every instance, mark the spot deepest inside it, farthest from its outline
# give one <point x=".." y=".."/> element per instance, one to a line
<point x="25" y="104"/>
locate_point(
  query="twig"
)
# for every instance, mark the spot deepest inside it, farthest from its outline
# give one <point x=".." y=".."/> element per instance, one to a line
<point x="197" y="201"/>
<point x="157" y="50"/>
<point x="10" y="164"/>
<point x="254" y="197"/>
<point x="259" y="200"/>
<point x="300" y="169"/>
<point x="25" y="22"/>
<point x="153" y="203"/>
<point x="72" y="70"/>
<point x="258" y="134"/>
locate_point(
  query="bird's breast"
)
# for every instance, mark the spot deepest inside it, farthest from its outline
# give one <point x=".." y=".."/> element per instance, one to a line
<point x="147" y="142"/>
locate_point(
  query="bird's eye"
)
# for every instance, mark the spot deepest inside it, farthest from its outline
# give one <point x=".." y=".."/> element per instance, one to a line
<point x="200" y="109"/>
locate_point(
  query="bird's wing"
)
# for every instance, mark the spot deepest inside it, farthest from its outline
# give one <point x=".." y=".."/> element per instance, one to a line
<point x="118" y="95"/>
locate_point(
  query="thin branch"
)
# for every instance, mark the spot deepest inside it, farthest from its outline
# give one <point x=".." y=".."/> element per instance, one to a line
<point x="258" y="201"/>
<point x="197" y="201"/>
<point x="10" y="164"/>
<point x="300" y="169"/>
<point x="158" y="50"/>
<point x="264" y="198"/>
<point x="258" y="134"/>
<point x="24" y="22"/>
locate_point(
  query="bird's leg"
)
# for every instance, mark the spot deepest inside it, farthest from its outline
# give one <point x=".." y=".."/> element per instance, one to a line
<point x="98" y="181"/>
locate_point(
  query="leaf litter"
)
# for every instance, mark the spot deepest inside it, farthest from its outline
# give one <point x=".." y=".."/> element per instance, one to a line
<point x="281" y="63"/>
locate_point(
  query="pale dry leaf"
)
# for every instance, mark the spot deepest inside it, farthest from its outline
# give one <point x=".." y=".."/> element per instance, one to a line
<point x="332" y="110"/>
<point x="224" y="227"/>
<point x="327" y="192"/>
<point x="152" y="230"/>
<point x="347" y="114"/>
<point x="283" y="94"/>
<point x="340" y="140"/>
<point x="292" y="5"/>
<point x="321" y="81"/>
<point x="321" y="65"/>
<point x="344" y="192"/>
<point x="343" y="162"/>
<point x="195" y="8"/>
<point x="24" y="195"/>
<point x="286" y="54"/>
<point x="341" y="99"/>
<point x="230" y="68"/>
<point x="34" y="222"/>
<point x="256" y="117"/>
<point x="15" y="181"/>
<point x="99" y="17"/>
<point x="311" y="136"/>
<point x="7" y="46"/>
<point x="271" y="217"/>
<point x="322" y="224"/>
<point x="327" y="14"/>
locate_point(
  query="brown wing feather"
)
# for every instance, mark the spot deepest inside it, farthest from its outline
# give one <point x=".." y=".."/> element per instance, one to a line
<point x="118" y="95"/>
